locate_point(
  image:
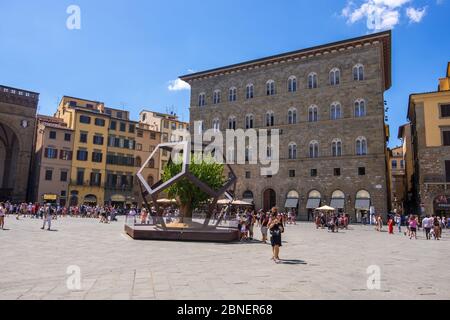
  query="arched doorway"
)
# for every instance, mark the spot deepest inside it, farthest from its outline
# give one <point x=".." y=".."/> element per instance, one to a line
<point x="9" y="152"/>
<point x="90" y="199"/>
<point x="314" y="202"/>
<point x="338" y="201"/>
<point x="270" y="199"/>
<point x="248" y="196"/>
<point x="292" y="201"/>
<point x="362" y="206"/>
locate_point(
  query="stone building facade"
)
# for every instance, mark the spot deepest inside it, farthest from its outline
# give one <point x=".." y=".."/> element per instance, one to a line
<point x="332" y="97"/>
<point x="53" y="161"/>
<point x="17" y="133"/>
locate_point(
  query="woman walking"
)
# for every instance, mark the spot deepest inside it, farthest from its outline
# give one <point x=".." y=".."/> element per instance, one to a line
<point x="391" y="224"/>
<point x="437" y="229"/>
<point x="413" y="227"/>
<point x="2" y="216"/>
<point x="276" y="229"/>
<point x="264" y="226"/>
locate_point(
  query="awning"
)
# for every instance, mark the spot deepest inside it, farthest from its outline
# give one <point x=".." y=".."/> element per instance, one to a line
<point x="248" y="200"/>
<point x="291" y="203"/>
<point x="118" y="198"/>
<point x="362" y="204"/>
<point x="313" y="203"/>
<point x="337" y="203"/>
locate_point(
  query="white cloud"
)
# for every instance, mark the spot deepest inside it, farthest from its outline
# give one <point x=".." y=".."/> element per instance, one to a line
<point x="416" y="15"/>
<point x="178" y="85"/>
<point x="380" y="14"/>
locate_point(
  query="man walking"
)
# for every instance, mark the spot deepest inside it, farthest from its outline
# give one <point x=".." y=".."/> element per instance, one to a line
<point x="48" y="216"/>
<point x="427" y="224"/>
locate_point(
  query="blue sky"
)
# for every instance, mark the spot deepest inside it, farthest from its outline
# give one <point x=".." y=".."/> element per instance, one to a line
<point x="127" y="52"/>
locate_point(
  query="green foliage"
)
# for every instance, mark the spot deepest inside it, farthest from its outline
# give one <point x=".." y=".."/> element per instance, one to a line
<point x="187" y="194"/>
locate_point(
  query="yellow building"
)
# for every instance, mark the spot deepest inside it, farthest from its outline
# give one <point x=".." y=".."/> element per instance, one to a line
<point x="121" y="167"/>
<point x="429" y="114"/>
<point x="397" y="178"/>
<point x="91" y="128"/>
<point x="170" y="127"/>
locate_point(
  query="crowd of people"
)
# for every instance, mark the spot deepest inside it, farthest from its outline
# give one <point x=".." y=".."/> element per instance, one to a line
<point x="333" y="221"/>
<point x="432" y="225"/>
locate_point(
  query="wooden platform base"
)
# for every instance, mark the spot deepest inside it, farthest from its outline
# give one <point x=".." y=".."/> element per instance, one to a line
<point x="193" y="235"/>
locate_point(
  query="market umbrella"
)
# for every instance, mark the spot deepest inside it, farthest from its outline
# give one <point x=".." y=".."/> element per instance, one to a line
<point x="326" y="208"/>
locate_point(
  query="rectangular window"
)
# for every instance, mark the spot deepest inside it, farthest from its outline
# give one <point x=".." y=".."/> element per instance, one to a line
<point x="131" y="128"/>
<point x="53" y="135"/>
<point x="51" y="153"/>
<point x="98" y="140"/>
<point x="362" y="171"/>
<point x="119" y="114"/>
<point x="65" y="155"/>
<point x="63" y="193"/>
<point x="394" y="164"/>
<point x="446" y="138"/>
<point x="113" y="125"/>
<point x="72" y="104"/>
<point x="99" y="122"/>
<point x="248" y="175"/>
<point x="166" y="124"/>
<point x="83" y="137"/>
<point x="445" y="110"/>
<point x="97" y="157"/>
<point x="80" y="177"/>
<point x="96" y="179"/>
<point x="89" y="106"/>
<point x="123" y="126"/>
<point x="140" y="133"/>
<point x="82" y="155"/>
<point x="85" y="119"/>
<point x="67" y="137"/>
<point x="139" y="147"/>
<point x="337" y="172"/>
<point x="63" y="177"/>
<point x="153" y="135"/>
<point x="313" y="172"/>
<point x="447" y="171"/>
<point x="291" y="173"/>
<point x="48" y="175"/>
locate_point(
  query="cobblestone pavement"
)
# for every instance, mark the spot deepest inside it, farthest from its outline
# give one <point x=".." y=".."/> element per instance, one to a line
<point x="318" y="265"/>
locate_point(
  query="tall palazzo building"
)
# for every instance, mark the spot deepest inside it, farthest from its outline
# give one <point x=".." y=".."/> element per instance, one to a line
<point x="328" y="103"/>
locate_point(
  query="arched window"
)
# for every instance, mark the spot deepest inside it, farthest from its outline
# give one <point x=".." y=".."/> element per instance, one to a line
<point x="335" y="76"/>
<point x="292" y="151"/>
<point x="217" y="97"/>
<point x="216" y="125"/>
<point x="138" y="162"/>
<point x="314" y="194"/>
<point x="312" y="80"/>
<point x="313" y="114"/>
<point x="292" y="116"/>
<point x="358" y="72"/>
<point x="269" y="152"/>
<point x="232" y="123"/>
<point x="247" y="195"/>
<point x="270" y="88"/>
<point x="232" y="94"/>
<point x="338" y="194"/>
<point x="336" y="148"/>
<point x="292" y="84"/>
<point x="250" y="91"/>
<point x="361" y="146"/>
<point x="249" y="121"/>
<point x="151" y="163"/>
<point x="335" y="111"/>
<point x="150" y="180"/>
<point x="270" y="119"/>
<point x="360" y="108"/>
<point x="249" y="155"/>
<point x="202" y="99"/>
<point x="314" y="149"/>
<point x="363" y="194"/>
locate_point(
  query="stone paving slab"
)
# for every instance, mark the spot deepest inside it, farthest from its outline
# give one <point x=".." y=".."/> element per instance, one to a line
<point x="318" y="265"/>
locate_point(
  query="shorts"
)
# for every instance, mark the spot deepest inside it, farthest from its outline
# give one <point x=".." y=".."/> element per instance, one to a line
<point x="413" y="229"/>
<point x="264" y="231"/>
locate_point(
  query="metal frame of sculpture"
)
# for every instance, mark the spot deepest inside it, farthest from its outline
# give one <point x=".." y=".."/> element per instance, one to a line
<point x="155" y="190"/>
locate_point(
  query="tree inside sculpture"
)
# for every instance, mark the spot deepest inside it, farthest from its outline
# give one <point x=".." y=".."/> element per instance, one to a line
<point x="188" y="195"/>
